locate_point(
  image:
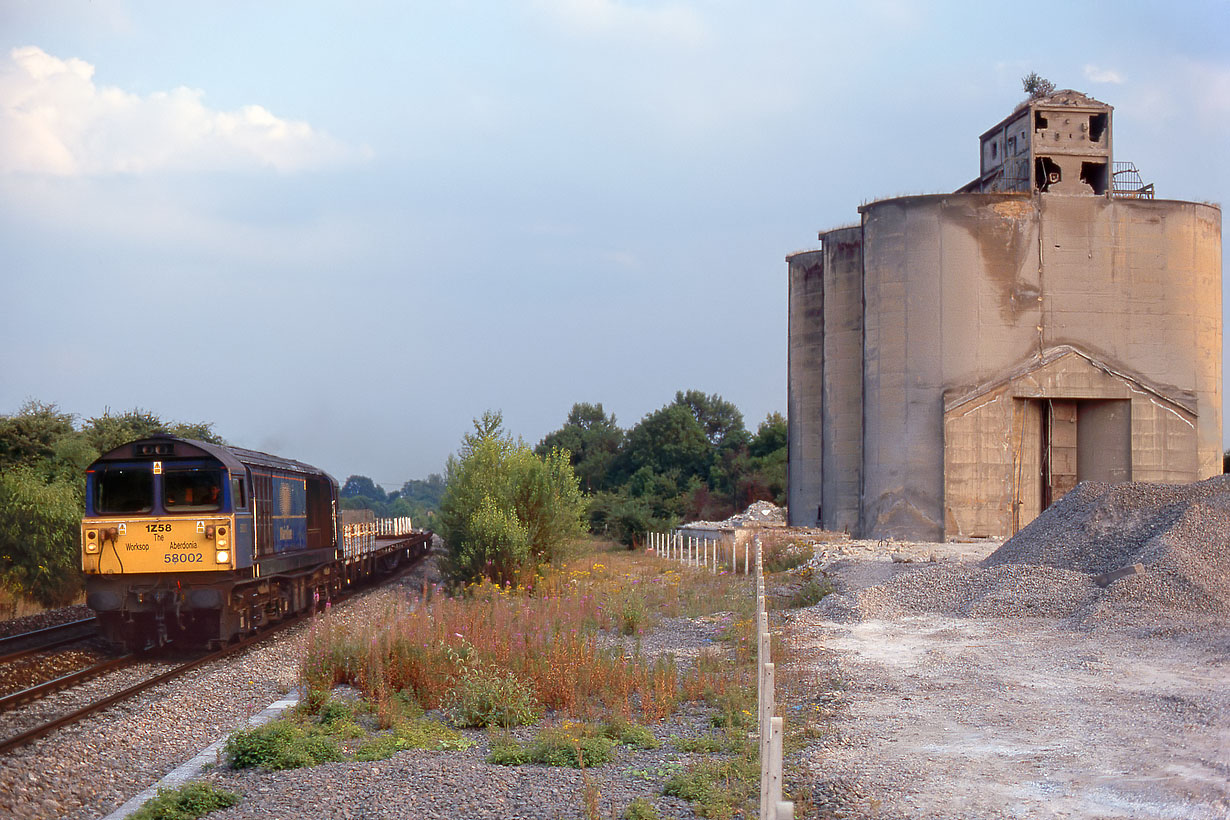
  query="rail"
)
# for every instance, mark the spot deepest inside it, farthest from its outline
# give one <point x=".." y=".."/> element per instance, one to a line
<point x="708" y="553"/>
<point x="42" y="640"/>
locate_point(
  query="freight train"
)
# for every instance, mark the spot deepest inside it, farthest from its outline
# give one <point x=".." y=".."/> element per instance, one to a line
<point x="202" y="543"/>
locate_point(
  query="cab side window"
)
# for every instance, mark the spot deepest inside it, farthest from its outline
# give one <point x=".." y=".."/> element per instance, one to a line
<point x="239" y="499"/>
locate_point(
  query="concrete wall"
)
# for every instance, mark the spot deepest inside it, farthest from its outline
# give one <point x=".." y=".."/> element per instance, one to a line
<point x="962" y="290"/>
<point x="805" y="387"/>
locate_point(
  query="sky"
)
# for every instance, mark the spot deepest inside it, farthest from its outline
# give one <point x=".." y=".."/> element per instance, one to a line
<point x="341" y="231"/>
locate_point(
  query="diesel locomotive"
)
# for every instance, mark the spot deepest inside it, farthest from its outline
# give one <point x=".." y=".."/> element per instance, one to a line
<point x="200" y="543"/>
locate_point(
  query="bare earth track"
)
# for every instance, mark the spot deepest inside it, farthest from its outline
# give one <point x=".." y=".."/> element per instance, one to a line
<point x="969" y="689"/>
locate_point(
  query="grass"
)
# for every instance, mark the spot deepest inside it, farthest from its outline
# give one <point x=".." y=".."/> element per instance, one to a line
<point x="188" y="802"/>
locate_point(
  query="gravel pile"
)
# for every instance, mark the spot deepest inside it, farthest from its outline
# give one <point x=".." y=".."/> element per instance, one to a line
<point x="1177" y="533"/>
<point x="759" y="512"/>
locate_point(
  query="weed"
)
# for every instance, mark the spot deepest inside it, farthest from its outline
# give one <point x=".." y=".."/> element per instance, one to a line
<point x="280" y="744"/>
<point x="735" y="708"/>
<point x="417" y="734"/>
<point x="626" y="733"/>
<point x="720" y="787"/>
<point x="506" y="751"/>
<point x="727" y="742"/>
<point x="779" y="557"/>
<point x="809" y="594"/>
<point x="487" y="697"/>
<point x="188" y="802"/>
<point x="641" y="809"/>
<point x="577" y="745"/>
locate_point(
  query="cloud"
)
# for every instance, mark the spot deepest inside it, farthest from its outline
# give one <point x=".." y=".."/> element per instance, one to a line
<point x="55" y="120"/>
<point x="671" y="22"/>
<point x="1102" y="75"/>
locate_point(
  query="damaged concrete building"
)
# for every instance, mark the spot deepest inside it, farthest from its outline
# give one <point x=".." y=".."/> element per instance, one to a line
<point x="957" y="362"/>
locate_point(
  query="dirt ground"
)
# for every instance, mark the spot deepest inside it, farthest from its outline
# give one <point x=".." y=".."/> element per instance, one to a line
<point x="926" y="715"/>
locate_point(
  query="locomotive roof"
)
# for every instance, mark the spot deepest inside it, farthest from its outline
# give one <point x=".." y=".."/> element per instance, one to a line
<point x="235" y="458"/>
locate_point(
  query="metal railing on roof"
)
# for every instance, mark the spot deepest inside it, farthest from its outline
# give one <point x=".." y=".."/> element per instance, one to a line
<point x="1127" y="183"/>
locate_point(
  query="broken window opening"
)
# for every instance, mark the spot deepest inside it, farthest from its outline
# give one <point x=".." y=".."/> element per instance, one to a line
<point x="994" y="150"/>
<point x="1039" y="121"/>
<point x="1046" y="173"/>
<point x="1097" y="127"/>
<point x="1093" y="174"/>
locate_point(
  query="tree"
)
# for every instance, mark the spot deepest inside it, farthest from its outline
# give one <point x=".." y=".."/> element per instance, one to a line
<point x="106" y="432"/>
<point x="721" y="420"/>
<point x="28" y="438"/>
<point x="592" y="439"/>
<point x="669" y="441"/>
<point x="360" y="486"/>
<point x="505" y="510"/>
<point x="1037" y="86"/>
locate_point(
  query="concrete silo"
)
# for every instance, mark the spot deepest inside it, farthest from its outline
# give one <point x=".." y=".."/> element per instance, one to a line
<point x="981" y="352"/>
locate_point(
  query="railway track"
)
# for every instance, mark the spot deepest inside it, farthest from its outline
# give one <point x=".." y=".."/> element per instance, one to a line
<point x="24" y="644"/>
<point x="30" y="695"/>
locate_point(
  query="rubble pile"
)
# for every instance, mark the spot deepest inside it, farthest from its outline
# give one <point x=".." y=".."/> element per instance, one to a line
<point x="759" y="512"/>
<point x="1066" y="563"/>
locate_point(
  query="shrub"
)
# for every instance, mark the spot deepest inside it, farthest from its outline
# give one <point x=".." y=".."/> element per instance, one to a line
<point x="506" y="510"/>
<point x="40" y="536"/>
<point x="487" y="697"/>
<point x="279" y="744"/>
<point x="188" y="802"/>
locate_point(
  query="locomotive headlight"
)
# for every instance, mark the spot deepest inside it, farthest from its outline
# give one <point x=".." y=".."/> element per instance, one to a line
<point x="91" y="540"/>
<point x="223" y="557"/>
<point x="221" y="537"/>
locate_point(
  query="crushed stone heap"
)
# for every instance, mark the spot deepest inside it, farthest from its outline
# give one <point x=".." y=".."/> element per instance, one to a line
<point x="1178" y="533"/>
<point x="759" y="512"/>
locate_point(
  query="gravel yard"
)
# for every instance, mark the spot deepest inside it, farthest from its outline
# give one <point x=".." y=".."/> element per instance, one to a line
<point x="1017" y="687"/>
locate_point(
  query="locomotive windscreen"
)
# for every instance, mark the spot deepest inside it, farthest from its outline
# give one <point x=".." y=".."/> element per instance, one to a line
<point x="123" y="490"/>
<point x="192" y="490"/>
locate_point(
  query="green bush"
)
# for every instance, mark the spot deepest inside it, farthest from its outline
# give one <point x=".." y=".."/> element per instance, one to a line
<point x="280" y="744"/>
<point x="506" y="510"/>
<point x="40" y="536"/>
<point x="188" y="802"/>
<point x="486" y="697"/>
